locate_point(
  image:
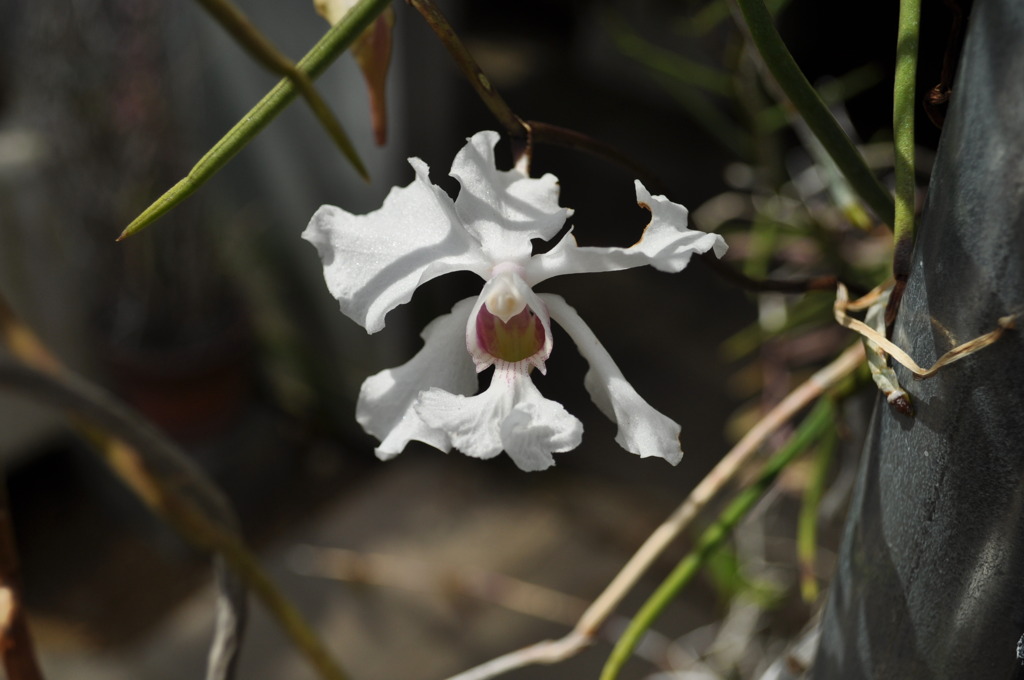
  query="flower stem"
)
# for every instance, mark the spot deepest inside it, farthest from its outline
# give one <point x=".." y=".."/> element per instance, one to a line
<point x="904" y="106"/>
<point x="811" y="429"/>
<point x="316" y="61"/>
<point x="904" y="102"/>
<point x="808" y="103"/>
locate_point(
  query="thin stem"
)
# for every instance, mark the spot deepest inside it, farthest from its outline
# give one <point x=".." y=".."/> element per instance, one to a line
<point x="261" y="49"/>
<point x="327" y="49"/>
<point x="16" y="647"/>
<point x="904" y="107"/>
<point x="808" y="103"/>
<point x="812" y="428"/>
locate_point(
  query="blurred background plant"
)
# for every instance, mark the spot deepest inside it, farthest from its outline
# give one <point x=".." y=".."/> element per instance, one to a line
<point x="214" y="325"/>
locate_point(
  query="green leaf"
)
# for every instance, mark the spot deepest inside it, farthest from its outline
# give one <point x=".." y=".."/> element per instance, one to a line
<point x="808" y="103"/>
<point x="260" y="48"/>
<point x="327" y="49"/>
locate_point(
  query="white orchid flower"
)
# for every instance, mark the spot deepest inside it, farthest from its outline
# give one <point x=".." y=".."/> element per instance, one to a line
<point x="373" y="263"/>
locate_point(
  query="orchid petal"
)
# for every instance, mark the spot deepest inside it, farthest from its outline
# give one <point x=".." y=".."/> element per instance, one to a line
<point x="511" y="415"/>
<point x="374" y="262"/>
<point x="504" y="209"/>
<point x="537" y="427"/>
<point x="386" y="401"/>
<point x="472" y="423"/>
<point x="666" y="245"/>
<point x="642" y="429"/>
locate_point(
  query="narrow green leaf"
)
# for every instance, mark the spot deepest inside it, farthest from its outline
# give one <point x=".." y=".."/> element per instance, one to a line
<point x="261" y="49"/>
<point x="806" y="101"/>
<point x="327" y="49"/>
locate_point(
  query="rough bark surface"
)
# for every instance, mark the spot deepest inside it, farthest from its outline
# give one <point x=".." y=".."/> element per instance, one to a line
<point x="930" y="583"/>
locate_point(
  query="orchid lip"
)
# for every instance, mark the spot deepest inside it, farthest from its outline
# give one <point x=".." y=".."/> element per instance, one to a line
<point x="519" y="337"/>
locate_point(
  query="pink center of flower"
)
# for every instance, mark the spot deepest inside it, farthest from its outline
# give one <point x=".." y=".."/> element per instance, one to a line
<point x="519" y="338"/>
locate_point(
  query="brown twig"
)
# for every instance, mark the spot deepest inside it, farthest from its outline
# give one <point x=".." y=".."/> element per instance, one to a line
<point x="16" y="646"/>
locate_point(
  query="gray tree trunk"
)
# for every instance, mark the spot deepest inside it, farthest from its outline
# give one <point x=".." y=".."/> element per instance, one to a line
<point x="930" y="583"/>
